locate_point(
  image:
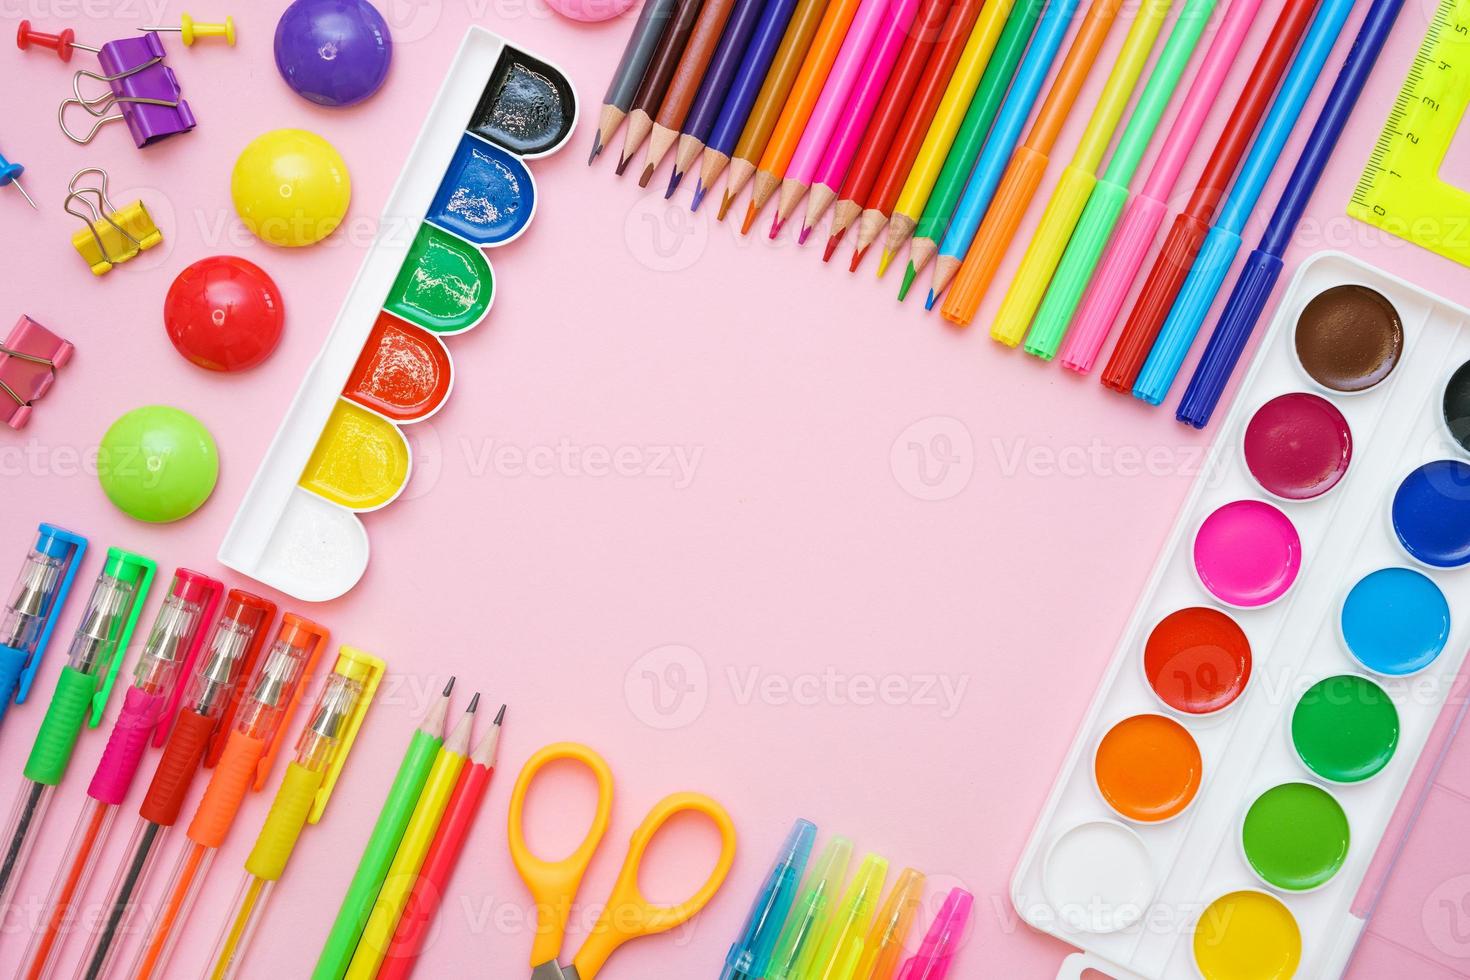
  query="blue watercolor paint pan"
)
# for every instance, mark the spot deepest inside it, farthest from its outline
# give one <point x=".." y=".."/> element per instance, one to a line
<point x="487" y="196"/>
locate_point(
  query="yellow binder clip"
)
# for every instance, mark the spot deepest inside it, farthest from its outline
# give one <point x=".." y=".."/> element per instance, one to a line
<point x="113" y="235"/>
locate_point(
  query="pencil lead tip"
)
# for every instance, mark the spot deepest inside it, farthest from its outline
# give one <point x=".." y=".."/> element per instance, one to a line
<point x="832" y="243"/>
<point x="596" y="148"/>
<point x="749" y="218"/>
<point x="474" y="703"/>
<point x="622" y="165"/>
<point x="929" y="300"/>
<point x="646" y="176"/>
<point x="674" y="179"/>
<point x="909" y="275"/>
<point x="776" y="224"/>
<point x="806" y="232"/>
<point x="857" y="259"/>
<point x="698" y="197"/>
<point x="448" y="687"/>
<point x="500" y="715"/>
<point x="883" y="261"/>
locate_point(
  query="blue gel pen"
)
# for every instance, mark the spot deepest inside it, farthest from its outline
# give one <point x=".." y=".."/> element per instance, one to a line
<point x="29" y="617"/>
<point x="751" y="953"/>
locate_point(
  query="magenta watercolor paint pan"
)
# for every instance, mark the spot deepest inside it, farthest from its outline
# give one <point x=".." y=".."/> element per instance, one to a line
<point x="343" y="448"/>
<point x="1338" y="465"/>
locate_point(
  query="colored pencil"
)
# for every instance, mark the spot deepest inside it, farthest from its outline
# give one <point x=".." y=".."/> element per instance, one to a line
<point x="748" y="82"/>
<point x="715" y="87"/>
<point x="1190" y="226"/>
<point x="1263" y="266"/>
<point x="847" y="70"/>
<point x="958" y="95"/>
<point x="796" y="44"/>
<point x="428" y="812"/>
<point x="799" y="105"/>
<point x="658" y="78"/>
<point x="858" y="113"/>
<point x="443" y="854"/>
<point x="382" y="844"/>
<point x="1119" y="265"/>
<point x="1029" y="162"/>
<point x="915" y="124"/>
<point x="1223" y="240"/>
<point x="968" y="142"/>
<point x="688" y="79"/>
<point x="892" y="105"/>
<point x="1088" y="227"/>
<point x="1009" y="121"/>
<point x="652" y="20"/>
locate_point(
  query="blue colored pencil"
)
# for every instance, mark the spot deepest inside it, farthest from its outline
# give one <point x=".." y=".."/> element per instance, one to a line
<point x="740" y="98"/>
<point x="715" y="87"/>
<point x="1223" y="241"/>
<point x="1263" y="266"/>
<point x="1004" y="133"/>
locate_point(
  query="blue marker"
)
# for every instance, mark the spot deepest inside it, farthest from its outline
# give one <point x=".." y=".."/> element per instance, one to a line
<point x="751" y="954"/>
<point x="1223" y="241"/>
<point x="1004" y="133"/>
<point x="34" y="607"/>
<point x="1263" y="266"/>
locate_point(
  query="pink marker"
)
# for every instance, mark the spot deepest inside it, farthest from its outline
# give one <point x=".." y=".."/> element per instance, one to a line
<point x="847" y="71"/>
<point x="1120" y="263"/>
<point x="148" y="709"/>
<point x="859" y="111"/>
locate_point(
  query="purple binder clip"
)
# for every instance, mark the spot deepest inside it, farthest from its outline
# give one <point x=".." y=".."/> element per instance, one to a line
<point x="144" y="91"/>
<point x="29" y="360"/>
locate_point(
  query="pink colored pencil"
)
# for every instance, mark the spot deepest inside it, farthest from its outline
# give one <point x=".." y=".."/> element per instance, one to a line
<point x="846" y="72"/>
<point x="859" y="111"/>
<point x="1125" y="252"/>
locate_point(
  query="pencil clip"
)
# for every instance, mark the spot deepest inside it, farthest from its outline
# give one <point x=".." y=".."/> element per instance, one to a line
<point x="206" y="592"/>
<point x="29" y="360"/>
<point x="68" y="548"/>
<point x="114" y="235"/>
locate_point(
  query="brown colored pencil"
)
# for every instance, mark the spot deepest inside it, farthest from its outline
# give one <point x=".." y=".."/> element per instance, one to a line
<point x="658" y="78"/>
<point x="690" y="72"/>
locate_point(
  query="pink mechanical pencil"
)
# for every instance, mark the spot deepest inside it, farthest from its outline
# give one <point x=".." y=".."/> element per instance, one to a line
<point x="148" y="710"/>
<point x="1125" y="252"/>
<point x="859" y="111"/>
<point x="846" y="71"/>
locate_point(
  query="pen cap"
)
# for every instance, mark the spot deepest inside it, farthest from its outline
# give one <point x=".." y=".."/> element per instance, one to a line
<point x="270" y="697"/>
<point x="35" y="604"/>
<point x="936" y="952"/>
<point x="357" y="675"/>
<point x="175" y="642"/>
<point x="232" y="651"/>
<point x="815" y="897"/>
<point x="108" y="622"/>
<point x="883" y="950"/>
<point x="751" y="952"/>
<point x="841" y="946"/>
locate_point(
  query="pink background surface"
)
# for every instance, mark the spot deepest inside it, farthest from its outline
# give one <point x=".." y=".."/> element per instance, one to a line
<point x="880" y="600"/>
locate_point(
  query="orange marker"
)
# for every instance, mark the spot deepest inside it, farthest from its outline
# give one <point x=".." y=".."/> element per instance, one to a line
<point x="1028" y="163"/>
<point x="799" y="105"/>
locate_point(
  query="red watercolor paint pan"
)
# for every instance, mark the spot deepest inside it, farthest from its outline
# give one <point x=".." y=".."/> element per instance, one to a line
<point x="1197" y="660"/>
<point x="403" y="373"/>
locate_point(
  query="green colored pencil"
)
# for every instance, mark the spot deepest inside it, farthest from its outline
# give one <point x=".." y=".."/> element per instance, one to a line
<point x="971" y="137"/>
<point x="367" y="881"/>
<point x="1110" y="194"/>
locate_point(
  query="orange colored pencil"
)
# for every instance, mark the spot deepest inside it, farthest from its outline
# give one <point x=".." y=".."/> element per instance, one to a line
<point x="799" y="105"/>
<point x="915" y="125"/>
<point x="1028" y="163"/>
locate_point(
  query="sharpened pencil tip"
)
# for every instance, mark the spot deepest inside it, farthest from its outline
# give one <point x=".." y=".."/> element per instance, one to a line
<point x="776" y="224"/>
<point x="474" y="703"/>
<point x="448" y="687"/>
<point x="857" y="259"/>
<point x="724" y="207"/>
<point x="674" y="179"/>
<point x="500" y="715"/>
<point x="832" y="243"/>
<point x="596" y="147"/>
<point x="622" y="165"/>
<point x="749" y="218"/>
<point x="929" y="300"/>
<point x="698" y="197"/>
<point x="806" y="232"/>
<point x="909" y="275"/>
<point x="646" y="176"/>
<point x="883" y="261"/>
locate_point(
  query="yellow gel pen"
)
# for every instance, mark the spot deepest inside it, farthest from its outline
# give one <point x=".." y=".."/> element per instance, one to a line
<point x="883" y="949"/>
<point x="842" y="941"/>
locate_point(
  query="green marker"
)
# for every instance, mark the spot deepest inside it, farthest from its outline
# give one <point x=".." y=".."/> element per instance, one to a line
<point x="815" y="907"/>
<point x="382" y="845"/>
<point x="97" y="651"/>
<point x="990" y="93"/>
<point x="1110" y="194"/>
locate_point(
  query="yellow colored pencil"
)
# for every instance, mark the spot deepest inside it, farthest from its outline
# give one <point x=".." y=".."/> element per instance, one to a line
<point x="404" y="871"/>
<point x="947" y="119"/>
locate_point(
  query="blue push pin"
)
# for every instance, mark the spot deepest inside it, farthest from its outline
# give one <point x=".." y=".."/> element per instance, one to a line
<point x="10" y="174"/>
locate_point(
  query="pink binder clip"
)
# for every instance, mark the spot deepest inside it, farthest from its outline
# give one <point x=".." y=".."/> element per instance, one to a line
<point x="29" y="360"/>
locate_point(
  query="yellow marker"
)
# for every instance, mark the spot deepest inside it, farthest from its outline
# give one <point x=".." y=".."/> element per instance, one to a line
<point x="883" y="949"/>
<point x="1076" y="183"/>
<point x="947" y="119"/>
<point x="836" y="956"/>
<point x="404" y="870"/>
<point x="1247" y="935"/>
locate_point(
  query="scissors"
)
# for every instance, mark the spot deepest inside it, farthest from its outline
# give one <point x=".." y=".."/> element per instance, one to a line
<point x="627" y="914"/>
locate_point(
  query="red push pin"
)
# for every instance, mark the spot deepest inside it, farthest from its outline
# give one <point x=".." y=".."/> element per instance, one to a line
<point x="62" y="43"/>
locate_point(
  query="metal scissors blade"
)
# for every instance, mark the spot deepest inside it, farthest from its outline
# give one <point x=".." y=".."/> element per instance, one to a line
<point x="549" y="971"/>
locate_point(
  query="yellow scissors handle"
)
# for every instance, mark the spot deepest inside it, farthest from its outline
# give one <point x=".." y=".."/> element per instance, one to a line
<point x="553" y="884"/>
<point x="628" y="914"/>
